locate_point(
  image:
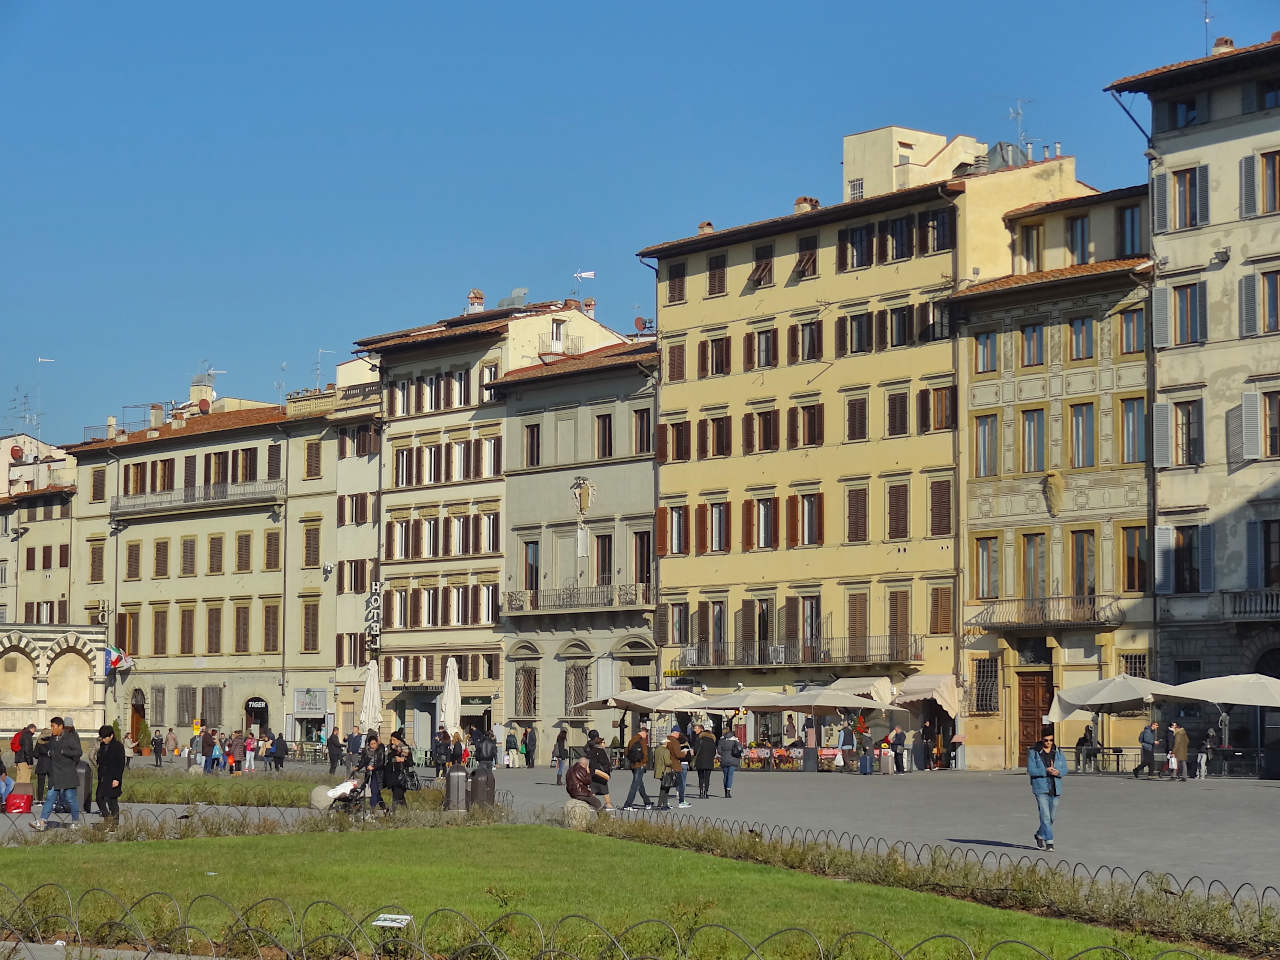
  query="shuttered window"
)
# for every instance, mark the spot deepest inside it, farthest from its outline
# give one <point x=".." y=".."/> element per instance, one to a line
<point x="161" y="566"/>
<point x="310" y="626"/>
<point x="675" y="282"/>
<point x="132" y="561"/>
<point x="311" y="545"/>
<point x="241" y="628"/>
<point x="97" y="553"/>
<point x="188" y="559"/>
<point x="675" y="361"/>
<point x="244" y="552"/>
<point x="899" y="613"/>
<point x="857" y="514"/>
<point x="213" y="629"/>
<point x="211" y="706"/>
<point x="940" y="609"/>
<point x="98" y="486"/>
<point x="271" y="627"/>
<point x="215" y="553"/>
<point x="856" y="419"/>
<point x="897" y="424"/>
<point x="160" y="631"/>
<point x="273" y="462"/>
<point x="716" y="275"/>
<point x="940" y="508"/>
<point x="313" y="461"/>
<point x="898" y="495"/>
<point x="857" y="625"/>
<point x="807" y="257"/>
<point x="271" y="550"/>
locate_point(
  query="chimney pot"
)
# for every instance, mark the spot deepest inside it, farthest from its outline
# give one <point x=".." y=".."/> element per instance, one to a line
<point x="157" y="414"/>
<point x="571" y="304"/>
<point x="706" y="227"/>
<point x="1057" y="148"/>
<point x="1223" y="45"/>
<point x="805" y="204"/>
<point x="589" y="307"/>
<point x="1275" y="35"/>
<point x="475" y="301"/>
<point x="1046" y="151"/>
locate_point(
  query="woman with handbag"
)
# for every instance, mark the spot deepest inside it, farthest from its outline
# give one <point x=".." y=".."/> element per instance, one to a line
<point x="666" y="767"/>
<point x="560" y="755"/>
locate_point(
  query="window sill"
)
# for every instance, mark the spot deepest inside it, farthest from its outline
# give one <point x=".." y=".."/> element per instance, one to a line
<point x="858" y="440"/>
<point x="675" y="303"/>
<point x="715" y="296"/>
<point x="800" y="279"/>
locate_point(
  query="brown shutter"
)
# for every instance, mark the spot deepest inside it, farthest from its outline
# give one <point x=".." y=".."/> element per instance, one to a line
<point x="342" y="576"/>
<point x="388" y="541"/>
<point x="899" y="522"/>
<point x="748" y="351"/>
<point x="820" y="424"/>
<point x="747" y="632"/>
<point x="62" y="611"/>
<point x="922" y="231"/>
<point x="415" y="538"/>
<point x="419" y="465"/>
<point x="842" y="250"/>
<point x="793" y="343"/>
<point x="675" y="361"/>
<point x="338" y="651"/>
<point x="704" y="620"/>
<point x="951" y="408"/>
<point x="857" y="427"/>
<point x="842" y="336"/>
<point x="415" y="608"/>
<point x="29" y="612"/>
<point x="858" y="515"/>
<point x="448" y="390"/>
<point x="820" y="500"/>
<point x="477" y="457"/>
<point x="386" y="669"/>
<point x="700" y="528"/>
<point x="661" y="521"/>
<point x="703" y="359"/>
<point x="857" y="627"/>
<point x="793" y="521"/>
<point x="924" y="322"/>
<point x="475" y="612"/>
<point x="234" y="461"/>
<point x="661" y="620"/>
<point x="940" y="610"/>
<point x="793" y="428"/>
<point x="748" y="525"/>
<point x="419" y="394"/>
<point x="728" y="527"/>
<point x="342" y="510"/>
<point x="64" y="555"/>
<point x="777" y="519"/>
<point x="791" y="619"/>
<point x="445" y="593"/>
<point x="818" y="338"/>
<point x="882" y="241"/>
<point x="702" y="439"/>
<point x="446" y="536"/>
<point x="922" y="410"/>
<point x="940" y="508"/>
<point x="882" y="330"/>
<point x="748" y="434"/>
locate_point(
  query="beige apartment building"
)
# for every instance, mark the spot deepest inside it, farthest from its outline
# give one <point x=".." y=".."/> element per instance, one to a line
<point x="1054" y="453"/>
<point x="203" y="539"/>
<point x="807" y="424"/>
<point x="1214" y="155"/>
<point x="442" y="497"/>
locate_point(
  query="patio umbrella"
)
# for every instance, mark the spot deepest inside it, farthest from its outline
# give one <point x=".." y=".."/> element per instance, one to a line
<point x="371" y="703"/>
<point x="1110" y="695"/>
<point x="645" y="701"/>
<point x="1244" y="689"/>
<point x="830" y="700"/>
<point x="750" y="699"/>
<point x="450" y="702"/>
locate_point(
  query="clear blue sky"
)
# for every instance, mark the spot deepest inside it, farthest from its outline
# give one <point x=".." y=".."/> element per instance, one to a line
<point x="247" y="183"/>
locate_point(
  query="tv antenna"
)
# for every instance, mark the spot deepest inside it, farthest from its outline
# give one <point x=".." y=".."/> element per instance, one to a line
<point x="319" y="351"/>
<point x="1207" y="20"/>
<point x="280" y="383"/>
<point x="23" y="413"/>
<point x="1016" y="115"/>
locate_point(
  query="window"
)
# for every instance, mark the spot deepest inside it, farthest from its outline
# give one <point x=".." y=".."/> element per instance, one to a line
<point x="810" y="340"/>
<point x="1034" y="572"/>
<point x="940" y="508"/>
<point x="679" y="617"/>
<point x="311" y="545"/>
<point x="680" y="529"/>
<point x="1084" y="574"/>
<point x="160" y="630"/>
<point x="811" y="425"/>
<point x="766" y="348"/>
<point x="987" y="574"/>
<point x="1271" y="302"/>
<point x="1032" y="249"/>
<point x="1032" y="441"/>
<point x="856" y="419"/>
<point x="899" y="495"/>
<point x="271" y="549"/>
<point x="938" y="409"/>
<point x="244" y="552"/>
<point x="1186" y="559"/>
<point x="1188" y="432"/>
<point x="766" y="433"/>
<point x="857" y="527"/>
<point x="1128" y="231"/>
<point x="855" y="188"/>
<point x="675" y="282"/>
<point x="900" y="326"/>
<point x="900" y="238"/>
<point x="97" y="555"/>
<point x="807" y="258"/>
<point x="721" y="437"/>
<point x="1078" y="239"/>
<point x="132" y="560"/>
<point x="1082" y="435"/>
<point x="98" y="486"/>
<point x="215" y="554"/>
<point x="811" y="519"/>
<point x="642" y="556"/>
<point x="719" y="527"/>
<point x="681" y="440"/>
<point x="986" y="446"/>
<point x="526" y="692"/>
<point x="675" y="361"/>
<point x="1264" y="558"/>
<point x="940" y="610"/>
<point x="716" y="279"/>
<point x="860" y="336"/>
<point x="532" y="564"/>
<point x="1134" y="575"/>
<point x="1271" y="424"/>
<point x="310" y="626"/>
<point x="1271" y="182"/>
<point x="1133" y="414"/>
<point x="1133" y="331"/>
<point x="213" y="631"/>
<point x="1033" y="345"/>
<point x="642" y="431"/>
<point x="532" y="444"/>
<point x="1189" y="316"/>
<point x="986" y="684"/>
<point x="1082" y="338"/>
<point x="604" y="436"/>
<point x="937" y="231"/>
<point x="810" y="619"/>
<point x="985" y="357"/>
<point x="1183" y="112"/>
<point x="896" y="404"/>
<point x="488" y="373"/>
<point x="312" y="469"/>
<point x="271" y="626"/>
<point x="766" y="523"/>
<point x="762" y="268"/>
<point x="240" y="627"/>
<point x="604" y="560"/>
<point x="1186" y="198"/>
<point x="719" y="350"/>
<point x="160" y="569"/>
<point x="855" y="247"/>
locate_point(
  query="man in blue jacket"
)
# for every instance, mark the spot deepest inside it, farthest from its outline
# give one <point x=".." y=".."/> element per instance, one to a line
<point x="1046" y="765"/>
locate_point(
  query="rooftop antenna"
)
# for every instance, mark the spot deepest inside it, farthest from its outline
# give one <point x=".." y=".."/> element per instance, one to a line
<point x="579" y="276"/>
<point x="319" y="351"/>
<point x="23" y="413"/>
<point x="1015" y="114"/>
<point x="1207" y="20"/>
<point x="279" y="384"/>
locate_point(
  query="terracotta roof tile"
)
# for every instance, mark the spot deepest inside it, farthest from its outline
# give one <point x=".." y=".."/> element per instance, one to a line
<point x="1015" y="281"/>
<point x="44" y="491"/>
<point x="463" y="325"/>
<point x="206" y="423"/>
<point x="1070" y="203"/>
<point x="1160" y="76"/>
<point x="602" y="358"/>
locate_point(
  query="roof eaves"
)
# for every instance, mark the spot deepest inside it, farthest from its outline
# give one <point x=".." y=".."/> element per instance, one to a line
<point x="1173" y="73"/>
<point x="1013" y="283"/>
<point x="1071" y="203"/>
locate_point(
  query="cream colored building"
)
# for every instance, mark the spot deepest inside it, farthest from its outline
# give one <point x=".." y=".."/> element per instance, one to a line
<point x="1214" y="155"/>
<point x="807" y="449"/>
<point x="1054" y="455"/>
<point x="442" y="498"/>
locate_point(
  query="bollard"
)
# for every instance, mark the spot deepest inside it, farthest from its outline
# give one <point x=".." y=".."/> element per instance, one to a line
<point x="482" y="787"/>
<point x="455" y="792"/>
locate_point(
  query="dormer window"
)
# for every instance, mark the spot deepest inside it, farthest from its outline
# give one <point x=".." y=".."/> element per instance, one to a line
<point x="1183" y="112"/>
<point x="1269" y="94"/>
<point x="1078" y="239"/>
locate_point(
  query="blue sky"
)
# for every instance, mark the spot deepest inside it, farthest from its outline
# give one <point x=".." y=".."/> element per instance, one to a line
<point x="247" y="184"/>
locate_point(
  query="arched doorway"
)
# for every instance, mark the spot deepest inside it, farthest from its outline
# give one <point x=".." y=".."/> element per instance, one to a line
<point x="137" y="713"/>
<point x="256" y="715"/>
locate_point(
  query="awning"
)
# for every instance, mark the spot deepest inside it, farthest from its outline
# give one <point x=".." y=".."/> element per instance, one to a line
<point x="939" y="687"/>
<point x="873" y="688"/>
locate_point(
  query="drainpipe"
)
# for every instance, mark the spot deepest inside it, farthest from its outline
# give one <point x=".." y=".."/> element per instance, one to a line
<point x="115" y="560"/>
<point x="657" y="407"/>
<point x="284" y="569"/>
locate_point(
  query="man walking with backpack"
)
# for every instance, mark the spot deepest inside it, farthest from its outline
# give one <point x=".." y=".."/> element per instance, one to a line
<point x="730" y="758"/>
<point x="23" y="746"/>
<point x="64" y="755"/>
<point x="638" y="760"/>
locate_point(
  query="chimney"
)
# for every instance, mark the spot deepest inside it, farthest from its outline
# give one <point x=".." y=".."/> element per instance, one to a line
<point x="201" y="388"/>
<point x="705" y="227"/>
<point x="1057" y="148"/>
<point x="111" y="427"/>
<point x="572" y="304"/>
<point x="805" y="204"/>
<point x="589" y="307"/>
<point x="1275" y="35"/>
<point x="157" y="415"/>
<point x="1223" y="45"/>
<point x="475" y="301"/>
<point x="1046" y="151"/>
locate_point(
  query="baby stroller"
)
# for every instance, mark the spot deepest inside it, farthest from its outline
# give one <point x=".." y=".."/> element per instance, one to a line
<point x="348" y="796"/>
<point x="411" y="780"/>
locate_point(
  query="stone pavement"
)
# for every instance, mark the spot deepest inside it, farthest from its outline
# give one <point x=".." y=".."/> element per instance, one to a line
<point x="1217" y="829"/>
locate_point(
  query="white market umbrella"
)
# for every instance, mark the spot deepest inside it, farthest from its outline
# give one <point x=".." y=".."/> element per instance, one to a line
<point x="1243" y="689"/>
<point x="450" y="702"/>
<point x="820" y="700"/>
<point x="1111" y="695"/>
<point x="371" y="703"/>
<point x="751" y="699"/>
<point x="645" y="701"/>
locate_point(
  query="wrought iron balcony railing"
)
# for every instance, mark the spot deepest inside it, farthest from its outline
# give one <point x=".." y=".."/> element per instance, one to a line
<point x="1031" y="614"/>
<point x="1254" y="604"/>
<point x="604" y="597"/>
<point x="826" y="651"/>
<point x="213" y="496"/>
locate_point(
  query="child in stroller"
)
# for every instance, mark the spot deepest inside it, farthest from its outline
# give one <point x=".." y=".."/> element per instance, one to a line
<point x="348" y="796"/>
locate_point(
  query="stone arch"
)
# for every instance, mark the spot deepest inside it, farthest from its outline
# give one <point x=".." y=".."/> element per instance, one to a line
<point x="635" y="645"/>
<point x="574" y="649"/>
<point x="1257" y="643"/>
<point x="20" y="641"/>
<point x="524" y="650"/>
<point x="1269" y="663"/>
<point x="18" y="665"/>
<point x="69" y="678"/>
<point x="69" y="641"/>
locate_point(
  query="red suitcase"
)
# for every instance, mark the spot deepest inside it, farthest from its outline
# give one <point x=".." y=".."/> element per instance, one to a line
<point x="17" y="803"/>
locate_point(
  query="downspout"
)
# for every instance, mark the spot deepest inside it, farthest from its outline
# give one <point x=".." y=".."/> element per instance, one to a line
<point x="657" y="407"/>
<point x="115" y="563"/>
<point x="284" y="568"/>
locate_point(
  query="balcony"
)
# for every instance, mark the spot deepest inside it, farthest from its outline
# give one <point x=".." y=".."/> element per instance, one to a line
<point x="1036" y="614"/>
<point x="828" y="651"/>
<point x="567" y="344"/>
<point x="612" y="596"/>
<point x="1254" y="605"/>
<point x="216" y="496"/>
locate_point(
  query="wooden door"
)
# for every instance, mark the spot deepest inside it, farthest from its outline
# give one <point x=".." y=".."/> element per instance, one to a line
<point x="1035" y="695"/>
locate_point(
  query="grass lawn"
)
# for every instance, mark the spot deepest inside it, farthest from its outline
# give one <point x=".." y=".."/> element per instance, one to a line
<point x="252" y="789"/>
<point x="545" y="871"/>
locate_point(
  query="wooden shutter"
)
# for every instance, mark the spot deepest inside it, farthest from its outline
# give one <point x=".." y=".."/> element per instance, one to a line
<point x="64" y="554"/>
<point x="922" y="411"/>
<point x="924" y="322"/>
<point x="661" y="624"/>
<point x="791" y="619"/>
<point x="817" y="339"/>
<point x="882" y="330"/>
<point x="1160" y="203"/>
<point x="793" y="427"/>
<point x="1248" y="184"/>
<point x="660" y="443"/>
<point x="99" y="492"/>
<point x="898" y="519"/>
<point x="1251" y="417"/>
<point x="415" y="537"/>
<point x="857" y="624"/>
<point x="793" y="343"/>
<point x="1254" y="555"/>
<point x="1202" y="312"/>
<point x="703" y="359"/>
<point x="273" y="462"/>
<point x="940" y="610"/>
<point x="388" y="541"/>
<point x="793" y="521"/>
<point x="1161" y="434"/>
<point x="842" y="336"/>
<point x="857" y="425"/>
<point x="819" y="424"/>
<point x="475" y="617"/>
<point x="675" y="361"/>
<point x="1207" y="572"/>
<point x="748" y="351"/>
<point x="1248" y="300"/>
<point x="899" y="613"/>
<point x="910" y="236"/>
<point x="1164" y="540"/>
<point x="882" y="241"/>
<point x="819" y="501"/>
<point x="702" y="439"/>
<point x="940" y="508"/>
<point x="704" y="621"/>
<point x="1202" y="195"/>
<point x="842" y="250"/>
<point x="748" y="525"/>
<point x="748" y="434"/>
<point x="922" y="231"/>
<point x="1160" y="332"/>
<point x="62" y="611"/>
<point x="661" y="521"/>
<point x="342" y="510"/>
<point x="857" y="515"/>
<point x="244" y="546"/>
<point x="747" y="632"/>
<point x="342" y="576"/>
<point x="700" y="528"/>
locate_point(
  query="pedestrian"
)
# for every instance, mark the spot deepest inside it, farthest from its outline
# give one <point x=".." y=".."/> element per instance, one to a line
<point x="395" y="773"/>
<point x="1046" y="766"/>
<point x="111" y="763"/>
<point x="157" y="747"/>
<point x="1207" y="744"/>
<point x="24" y="757"/>
<point x="666" y="767"/>
<point x="373" y="760"/>
<point x="560" y="754"/>
<point x="219" y="752"/>
<point x="6" y="784"/>
<point x="206" y="749"/>
<point x="279" y="750"/>
<point x="730" y="750"/>
<point x="440" y="750"/>
<point x="849" y="748"/>
<point x="928" y="739"/>
<point x="580" y="782"/>
<point x="686" y="759"/>
<point x="334" y="746"/>
<point x="1086" y="750"/>
<point x="898" y="741"/>
<point x="170" y="745"/>
<point x="704" y="759"/>
<point x="1147" y="744"/>
<point x="530" y="747"/>
<point x="601" y="767"/>
<point x="638" y="761"/>
<point x="789" y="730"/>
<point x="250" y="751"/>
<point x="43" y="764"/>
<point x="64" y="755"/>
<point x="1178" y="752"/>
<point x="456" y="749"/>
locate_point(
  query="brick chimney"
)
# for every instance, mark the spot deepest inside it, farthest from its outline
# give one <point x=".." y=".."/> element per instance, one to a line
<point x="805" y="204"/>
<point x="157" y="415"/>
<point x="1223" y="45"/>
<point x="705" y="227"/>
<point x="475" y="301"/>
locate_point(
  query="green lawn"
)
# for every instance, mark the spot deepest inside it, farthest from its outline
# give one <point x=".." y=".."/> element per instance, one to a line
<point x="546" y="871"/>
<point x="253" y="789"/>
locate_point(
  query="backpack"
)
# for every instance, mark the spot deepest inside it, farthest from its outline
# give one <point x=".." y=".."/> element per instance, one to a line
<point x="735" y="751"/>
<point x="635" y="753"/>
<point x="16" y="743"/>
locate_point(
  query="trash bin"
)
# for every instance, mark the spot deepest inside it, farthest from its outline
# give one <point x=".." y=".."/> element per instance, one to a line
<point x="482" y="787"/>
<point x="886" y="760"/>
<point x="455" y="789"/>
<point x="84" y="777"/>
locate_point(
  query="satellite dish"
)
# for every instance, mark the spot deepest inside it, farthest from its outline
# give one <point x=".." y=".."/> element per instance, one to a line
<point x="641" y="323"/>
<point x="15" y="453"/>
<point x="204" y="405"/>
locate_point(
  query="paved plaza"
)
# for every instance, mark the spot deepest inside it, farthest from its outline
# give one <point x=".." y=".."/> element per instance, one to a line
<point x="1218" y="829"/>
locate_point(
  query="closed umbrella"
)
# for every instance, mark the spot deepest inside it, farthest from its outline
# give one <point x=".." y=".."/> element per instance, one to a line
<point x="1110" y="695"/>
<point x="1244" y="689"/>
<point x="451" y="699"/>
<point x="371" y="703"/>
